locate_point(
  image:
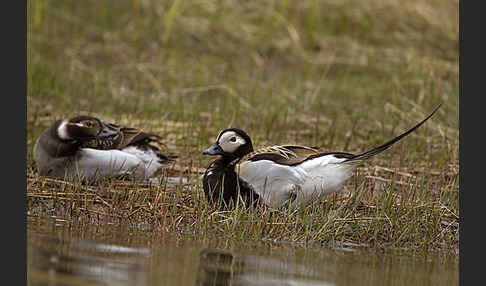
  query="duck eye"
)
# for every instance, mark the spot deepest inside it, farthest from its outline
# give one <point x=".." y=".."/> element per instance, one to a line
<point x="233" y="139"/>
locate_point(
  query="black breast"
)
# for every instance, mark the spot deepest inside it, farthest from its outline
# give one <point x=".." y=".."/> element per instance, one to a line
<point x="220" y="182"/>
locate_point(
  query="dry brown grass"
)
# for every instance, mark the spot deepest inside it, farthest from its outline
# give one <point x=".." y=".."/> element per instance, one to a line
<point x="340" y="75"/>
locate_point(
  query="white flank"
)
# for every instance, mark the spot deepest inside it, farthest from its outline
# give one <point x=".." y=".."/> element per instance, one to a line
<point x="273" y="182"/>
<point x="309" y="180"/>
<point x="62" y="130"/>
<point x="93" y="163"/>
<point x="326" y="174"/>
<point x="149" y="159"/>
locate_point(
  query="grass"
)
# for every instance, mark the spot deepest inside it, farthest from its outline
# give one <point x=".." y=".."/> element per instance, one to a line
<point x="340" y="75"/>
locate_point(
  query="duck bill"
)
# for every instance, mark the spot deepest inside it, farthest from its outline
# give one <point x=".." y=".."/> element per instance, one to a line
<point x="106" y="132"/>
<point x="214" y="149"/>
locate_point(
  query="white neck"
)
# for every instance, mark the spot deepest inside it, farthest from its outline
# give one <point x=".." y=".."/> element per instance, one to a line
<point x="62" y="130"/>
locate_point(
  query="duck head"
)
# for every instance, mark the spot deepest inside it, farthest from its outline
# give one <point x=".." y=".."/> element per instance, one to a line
<point x="83" y="128"/>
<point x="231" y="143"/>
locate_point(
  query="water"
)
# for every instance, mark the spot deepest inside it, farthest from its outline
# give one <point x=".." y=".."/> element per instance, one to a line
<point x="60" y="254"/>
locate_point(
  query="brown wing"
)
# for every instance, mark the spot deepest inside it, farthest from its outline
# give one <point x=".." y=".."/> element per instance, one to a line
<point x="124" y="137"/>
<point x="106" y="143"/>
<point x="145" y="141"/>
<point x="285" y="155"/>
<point x="129" y="135"/>
<point x="135" y="137"/>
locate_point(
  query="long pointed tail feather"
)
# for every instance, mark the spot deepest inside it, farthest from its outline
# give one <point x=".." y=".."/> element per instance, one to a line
<point x="383" y="147"/>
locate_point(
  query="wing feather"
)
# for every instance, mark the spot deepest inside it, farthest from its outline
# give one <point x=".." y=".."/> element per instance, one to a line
<point x="285" y="155"/>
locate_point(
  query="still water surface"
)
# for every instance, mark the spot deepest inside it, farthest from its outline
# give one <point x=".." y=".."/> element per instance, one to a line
<point x="59" y="254"/>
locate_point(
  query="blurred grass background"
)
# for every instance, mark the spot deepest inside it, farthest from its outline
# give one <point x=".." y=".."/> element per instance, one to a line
<point x="340" y="75"/>
<point x="324" y="73"/>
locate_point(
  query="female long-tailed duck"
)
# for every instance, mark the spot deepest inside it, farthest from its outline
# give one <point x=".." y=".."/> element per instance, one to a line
<point x="85" y="147"/>
<point x="279" y="175"/>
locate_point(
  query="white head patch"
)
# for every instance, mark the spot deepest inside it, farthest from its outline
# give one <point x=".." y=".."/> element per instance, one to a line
<point x="62" y="130"/>
<point x="229" y="141"/>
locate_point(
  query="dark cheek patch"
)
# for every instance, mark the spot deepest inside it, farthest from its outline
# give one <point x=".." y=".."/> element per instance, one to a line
<point x="75" y="132"/>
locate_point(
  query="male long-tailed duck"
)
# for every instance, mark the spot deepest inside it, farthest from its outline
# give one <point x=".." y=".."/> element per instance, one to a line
<point x="85" y="147"/>
<point x="279" y="175"/>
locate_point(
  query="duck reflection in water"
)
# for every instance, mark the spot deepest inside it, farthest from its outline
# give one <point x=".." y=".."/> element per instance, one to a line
<point x="219" y="268"/>
<point x="58" y="262"/>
